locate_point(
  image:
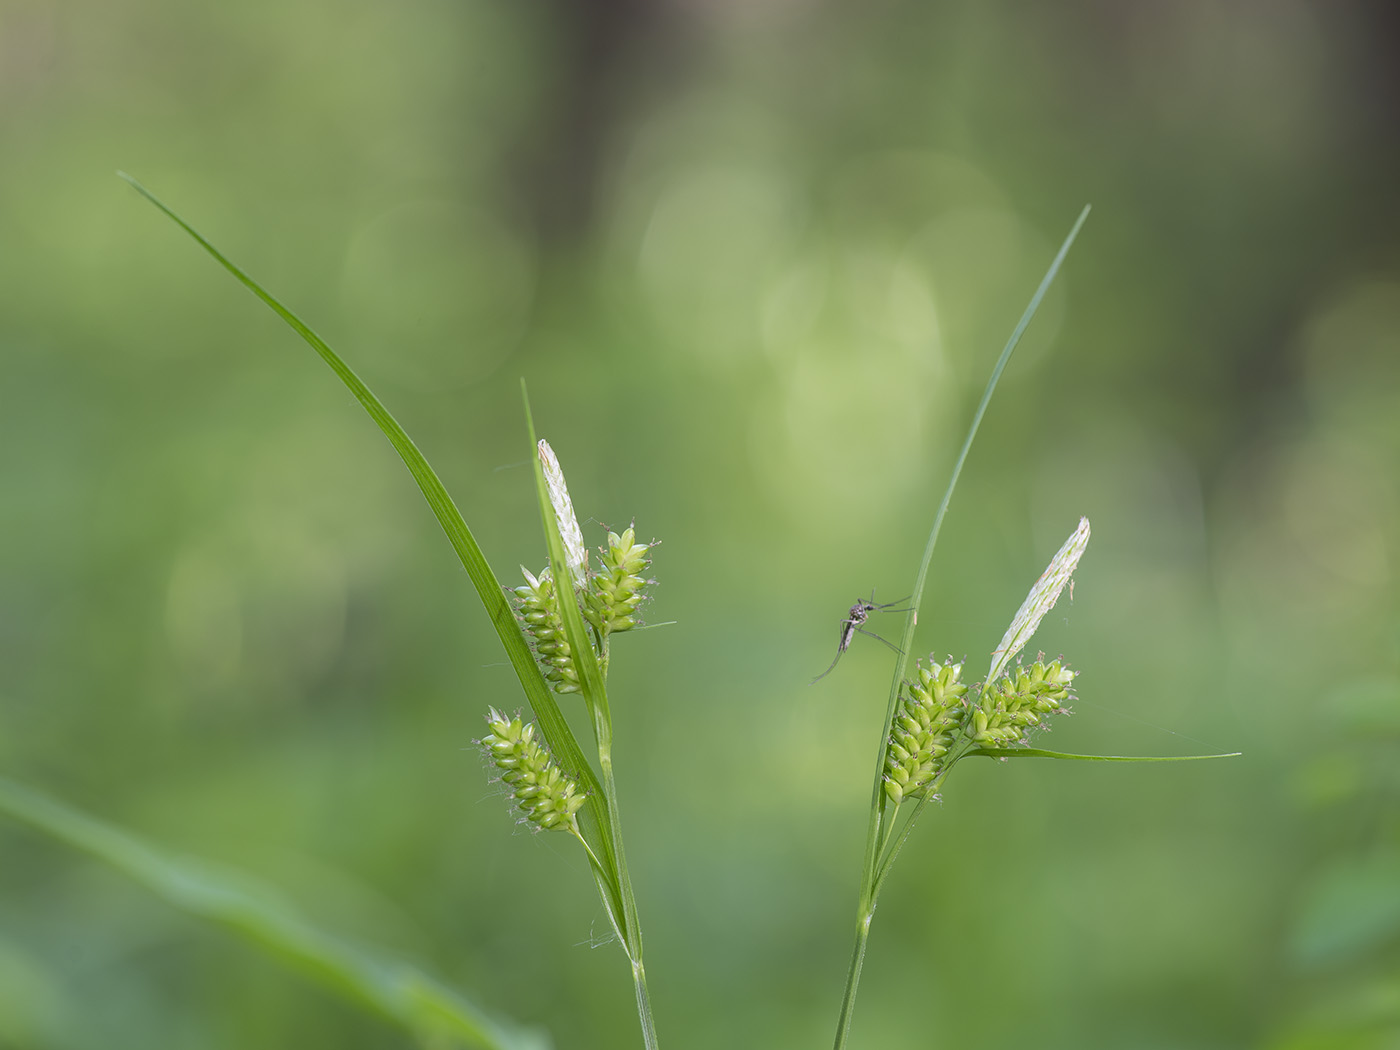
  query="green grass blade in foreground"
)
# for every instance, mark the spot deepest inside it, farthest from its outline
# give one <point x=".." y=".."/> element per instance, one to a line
<point x="593" y="819"/>
<point x="1036" y="752"/>
<point x="391" y="988"/>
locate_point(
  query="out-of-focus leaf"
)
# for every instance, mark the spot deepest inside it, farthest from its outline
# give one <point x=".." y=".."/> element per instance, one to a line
<point x="1353" y="907"/>
<point x="401" y="992"/>
<point x="1367" y="707"/>
<point x="1357" y="1015"/>
<point x="31" y="1003"/>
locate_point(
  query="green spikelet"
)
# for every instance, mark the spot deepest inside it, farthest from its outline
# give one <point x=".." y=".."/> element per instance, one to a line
<point x="1018" y="702"/>
<point x="930" y="715"/>
<point x="539" y="608"/>
<point x="548" y="799"/>
<point x="618" y="585"/>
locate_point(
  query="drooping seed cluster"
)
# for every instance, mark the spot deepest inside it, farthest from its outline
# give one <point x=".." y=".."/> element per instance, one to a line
<point x="931" y="713"/>
<point x="1017" y="702"/>
<point x="545" y="795"/>
<point x="935" y="716"/>
<point x="609" y="604"/>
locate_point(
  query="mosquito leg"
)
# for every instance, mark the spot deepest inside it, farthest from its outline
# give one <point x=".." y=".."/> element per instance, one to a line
<point x="828" y="671"/>
<point x="872" y="634"/>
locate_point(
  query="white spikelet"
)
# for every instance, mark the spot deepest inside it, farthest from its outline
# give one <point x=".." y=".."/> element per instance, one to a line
<point x="1040" y="601"/>
<point x="574" y="551"/>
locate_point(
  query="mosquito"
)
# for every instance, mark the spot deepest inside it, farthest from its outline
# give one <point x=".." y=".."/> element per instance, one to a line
<point x="860" y="611"/>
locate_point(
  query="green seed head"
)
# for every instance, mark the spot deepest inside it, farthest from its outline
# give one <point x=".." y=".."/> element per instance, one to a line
<point x="931" y="713"/>
<point x="546" y="797"/>
<point x="618" y="586"/>
<point x="1019" y="702"/>
<point x="538" y="602"/>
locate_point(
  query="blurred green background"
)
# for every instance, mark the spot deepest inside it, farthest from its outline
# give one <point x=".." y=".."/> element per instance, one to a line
<point x="755" y="260"/>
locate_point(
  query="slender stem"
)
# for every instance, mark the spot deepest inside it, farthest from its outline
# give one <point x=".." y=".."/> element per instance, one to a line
<point x="870" y="895"/>
<point x="931" y="790"/>
<point x="631" y="924"/>
<point x="639" y="981"/>
<point x="848" y="1001"/>
<point x="889" y="830"/>
<point x="866" y="911"/>
<point x="593" y="857"/>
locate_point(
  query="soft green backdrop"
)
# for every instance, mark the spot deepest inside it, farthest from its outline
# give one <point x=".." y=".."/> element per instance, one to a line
<point x="755" y="261"/>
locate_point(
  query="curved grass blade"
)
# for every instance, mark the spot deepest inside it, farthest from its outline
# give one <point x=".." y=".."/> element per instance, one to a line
<point x="917" y="595"/>
<point x="594" y="820"/>
<point x="906" y="643"/>
<point x="394" y="989"/>
<point x="1036" y="752"/>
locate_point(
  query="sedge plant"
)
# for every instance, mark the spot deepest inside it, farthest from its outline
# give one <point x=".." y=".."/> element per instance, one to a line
<point x="550" y="645"/>
<point x="934" y="719"/>
<point x="557" y="627"/>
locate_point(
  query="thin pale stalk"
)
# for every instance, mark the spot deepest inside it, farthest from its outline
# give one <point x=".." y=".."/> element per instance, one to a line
<point x="870" y="863"/>
<point x="930" y="792"/>
<point x="633" y="943"/>
<point x="868" y="902"/>
<point x="848" y="1000"/>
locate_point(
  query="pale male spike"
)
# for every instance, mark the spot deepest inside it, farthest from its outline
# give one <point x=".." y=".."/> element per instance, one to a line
<point x="1041" y="600"/>
<point x="574" y="550"/>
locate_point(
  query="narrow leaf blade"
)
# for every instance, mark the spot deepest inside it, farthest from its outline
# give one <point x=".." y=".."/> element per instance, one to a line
<point x="1036" y="752"/>
<point x="594" y="820"/>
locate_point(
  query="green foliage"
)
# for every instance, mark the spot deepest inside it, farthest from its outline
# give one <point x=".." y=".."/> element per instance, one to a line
<point x="931" y="724"/>
<point x="437" y="1015"/>
<point x="754" y="297"/>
